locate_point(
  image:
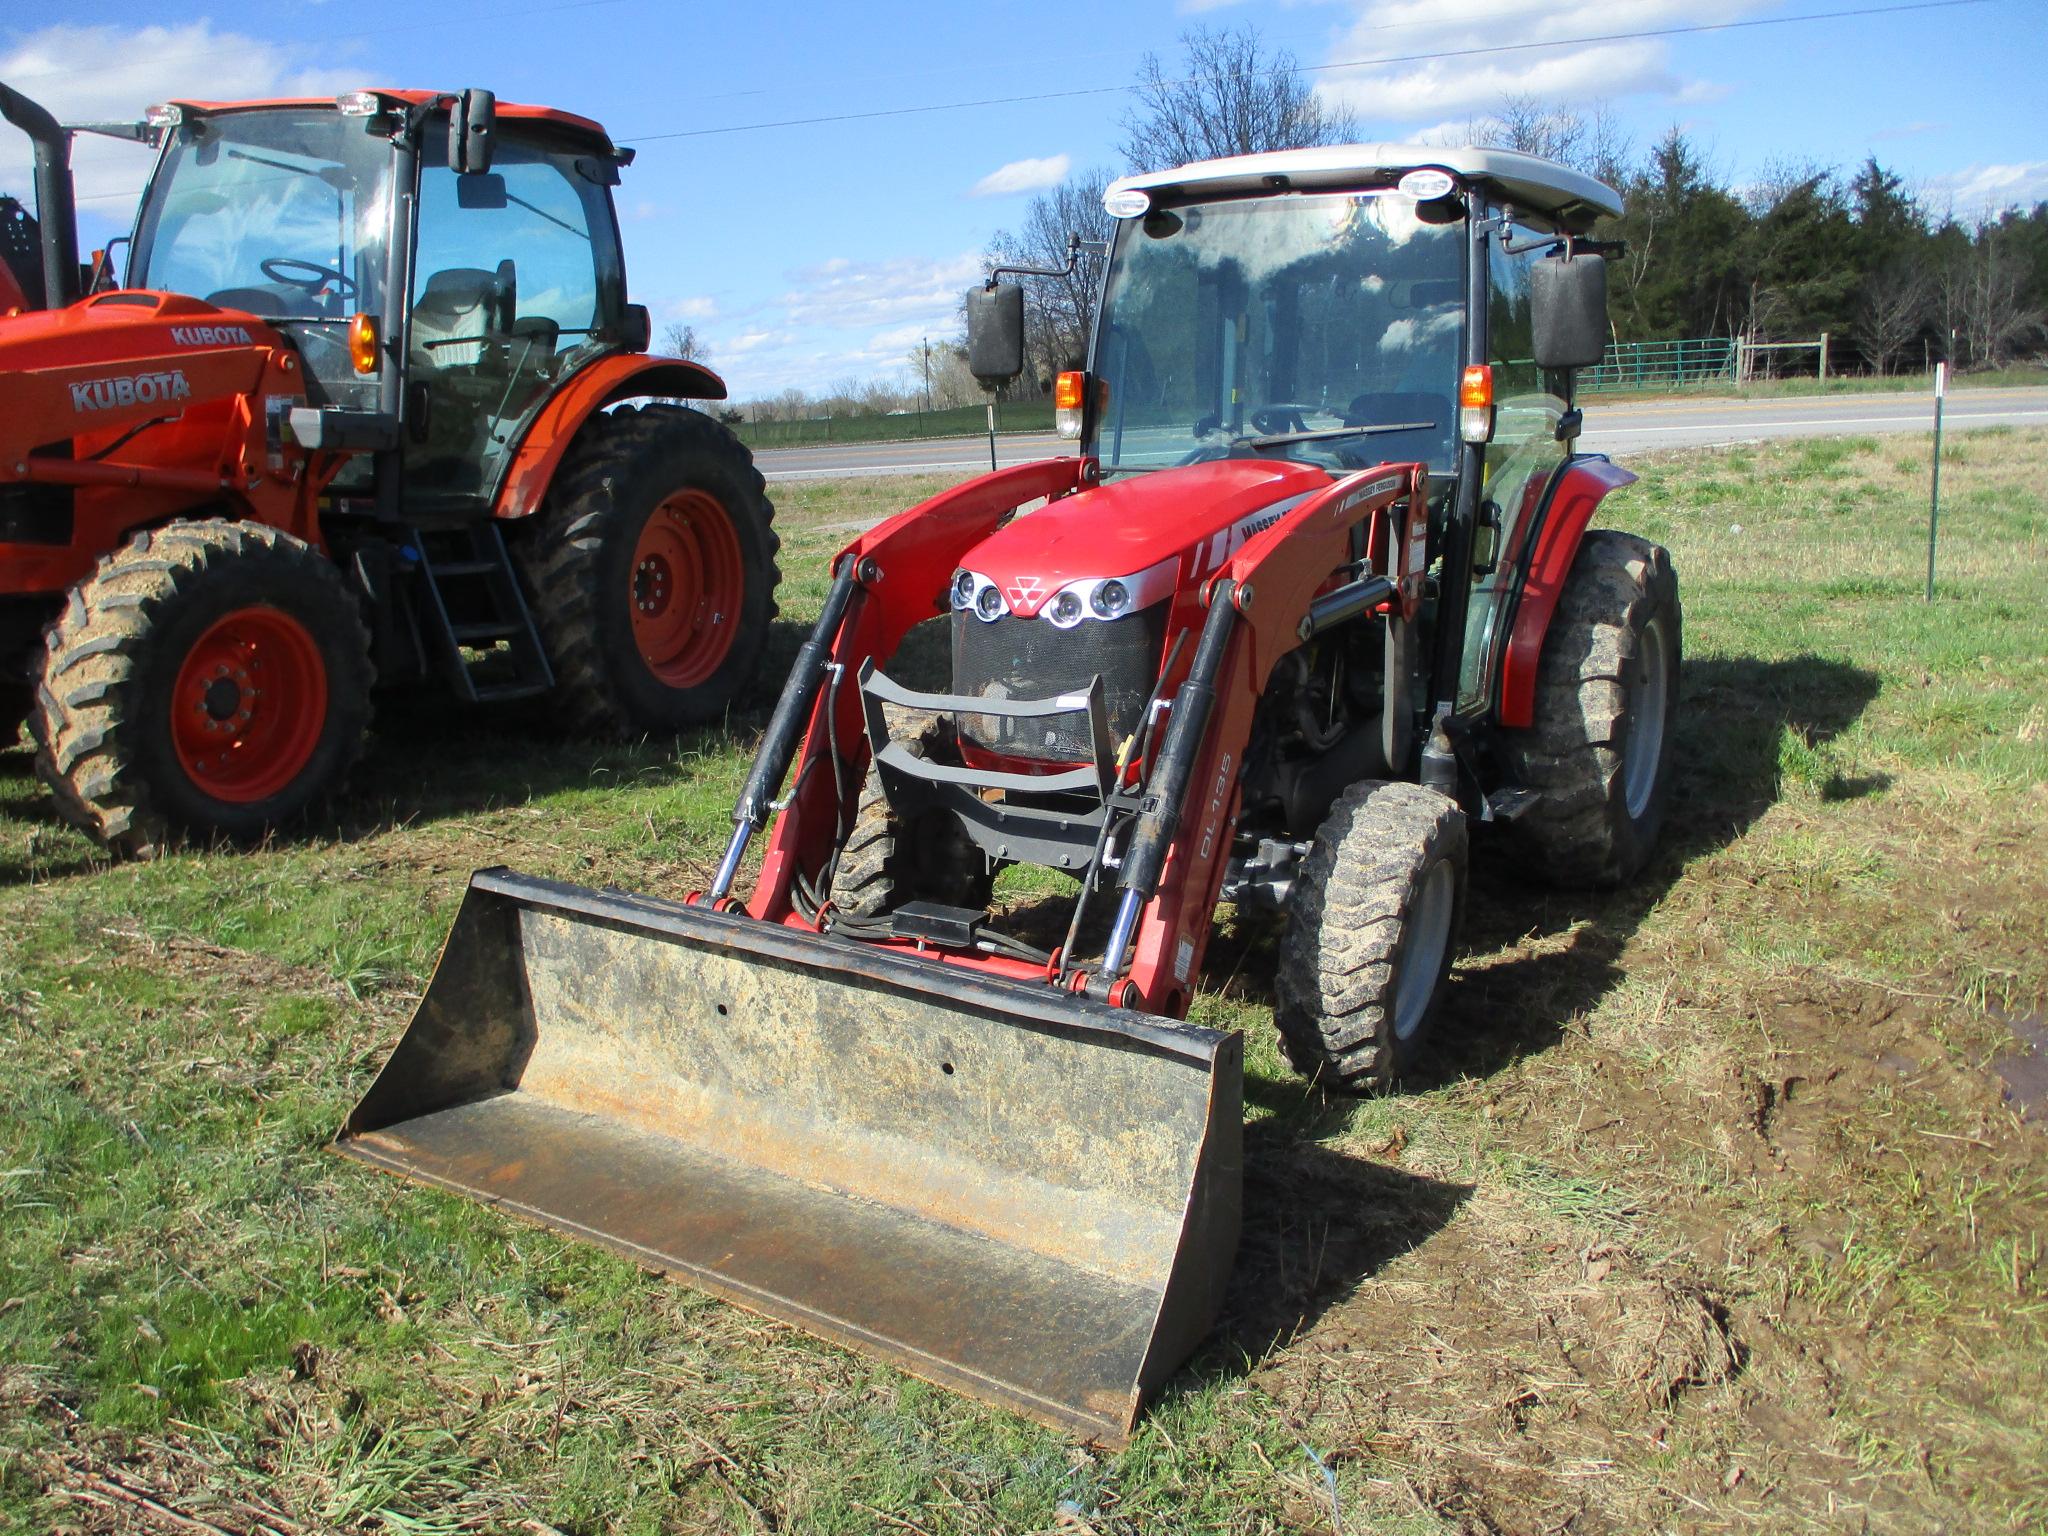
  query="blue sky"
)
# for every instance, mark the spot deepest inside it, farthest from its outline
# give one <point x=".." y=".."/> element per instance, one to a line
<point x="808" y="254"/>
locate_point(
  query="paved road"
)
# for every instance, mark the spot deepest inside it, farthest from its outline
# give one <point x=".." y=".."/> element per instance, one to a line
<point x="1622" y="430"/>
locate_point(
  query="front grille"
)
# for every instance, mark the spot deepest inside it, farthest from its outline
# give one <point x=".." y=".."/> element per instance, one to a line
<point x="1013" y="658"/>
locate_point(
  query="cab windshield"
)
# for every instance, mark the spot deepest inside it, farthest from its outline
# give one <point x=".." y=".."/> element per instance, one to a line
<point x="277" y="212"/>
<point x="1326" y="328"/>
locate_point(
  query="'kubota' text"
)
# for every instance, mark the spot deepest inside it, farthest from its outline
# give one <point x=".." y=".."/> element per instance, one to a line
<point x="134" y="389"/>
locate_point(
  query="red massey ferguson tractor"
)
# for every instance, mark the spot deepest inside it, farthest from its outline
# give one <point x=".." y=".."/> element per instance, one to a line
<point x="349" y="421"/>
<point x="1315" y="597"/>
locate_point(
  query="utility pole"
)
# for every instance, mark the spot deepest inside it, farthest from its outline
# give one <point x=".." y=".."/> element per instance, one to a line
<point x="927" y="384"/>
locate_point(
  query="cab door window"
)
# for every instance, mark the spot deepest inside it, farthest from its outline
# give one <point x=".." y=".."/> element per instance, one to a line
<point x="515" y="273"/>
<point x="1520" y="460"/>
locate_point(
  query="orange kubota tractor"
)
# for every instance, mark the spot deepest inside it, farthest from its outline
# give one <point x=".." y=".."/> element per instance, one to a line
<point x="350" y="420"/>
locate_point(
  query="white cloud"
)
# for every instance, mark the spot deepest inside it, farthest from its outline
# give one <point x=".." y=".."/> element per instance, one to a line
<point x="110" y="73"/>
<point x="1439" y="84"/>
<point x="1022" y="176"/>
<point x="853" y="295"/>
<point x="699" y="308"/>
<point x="1988" y="190"/>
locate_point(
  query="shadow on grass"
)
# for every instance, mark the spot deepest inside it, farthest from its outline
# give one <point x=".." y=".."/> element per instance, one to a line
<point x="1316" y="1223"/>
<point x="1744" y="725"/>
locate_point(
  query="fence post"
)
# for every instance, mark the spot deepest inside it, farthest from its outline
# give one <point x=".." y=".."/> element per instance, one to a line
<point x="1934" y="491"/>
<point x="1823" y="357"/>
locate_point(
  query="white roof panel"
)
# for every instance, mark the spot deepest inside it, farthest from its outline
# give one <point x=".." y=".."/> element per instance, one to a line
<point x="1542" y="185"/>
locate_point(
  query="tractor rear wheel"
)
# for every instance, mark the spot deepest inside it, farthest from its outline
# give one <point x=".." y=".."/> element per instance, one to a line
<point x="208" y="679"/>
<point x="1371" y="929"/>
<point x="885" y="862"/>
<point x="652" y="571"/>
<point x="1606" y="702"/>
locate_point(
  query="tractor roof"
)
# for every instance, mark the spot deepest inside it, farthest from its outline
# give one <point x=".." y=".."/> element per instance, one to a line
<point x="513" y="110"/>
<point x="1541" y="185"/>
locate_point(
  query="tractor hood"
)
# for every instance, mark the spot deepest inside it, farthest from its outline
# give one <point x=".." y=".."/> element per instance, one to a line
<point x="121" y="358"/>
<point x="1132" y="527"/>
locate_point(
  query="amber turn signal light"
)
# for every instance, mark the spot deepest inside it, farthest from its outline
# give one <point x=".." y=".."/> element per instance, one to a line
<point x="363" y="342"/>
<point x="1068" y="391"/>
<point x="1475" y="404"/>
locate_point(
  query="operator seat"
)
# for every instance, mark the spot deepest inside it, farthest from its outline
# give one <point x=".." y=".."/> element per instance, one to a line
<point x="452" y="317"/>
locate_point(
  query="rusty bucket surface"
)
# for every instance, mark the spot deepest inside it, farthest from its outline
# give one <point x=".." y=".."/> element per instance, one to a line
<point x="1016" y="1193"/>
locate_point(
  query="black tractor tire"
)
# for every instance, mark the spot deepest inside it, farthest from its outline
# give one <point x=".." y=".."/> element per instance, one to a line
<point x="1372" y="926"/>
<point x="1600" y="747"/>
<point x="883" y="863"/>
<point x="159" y="657"/>
<point x="596" y="581"/>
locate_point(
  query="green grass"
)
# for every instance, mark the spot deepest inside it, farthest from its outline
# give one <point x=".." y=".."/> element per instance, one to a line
<point x="1707" y="1176"/>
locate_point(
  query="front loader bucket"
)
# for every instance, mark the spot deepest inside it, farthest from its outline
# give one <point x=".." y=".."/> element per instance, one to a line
<point x="1017" y="1193"/>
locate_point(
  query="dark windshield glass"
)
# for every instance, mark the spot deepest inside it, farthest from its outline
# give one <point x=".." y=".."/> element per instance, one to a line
<point x="280" y="213"/>
<point x="1270" y="317"/>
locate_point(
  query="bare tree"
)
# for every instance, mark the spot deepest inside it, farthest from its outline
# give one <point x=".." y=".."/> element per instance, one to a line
<point x="1593" y="142"/>
<point x="1227" y="96"/>
<point x="1890" y="311"/>
<point x="951" y="383"/>
<point x="1985" y="293"/>
<point x="680" y="340"/>
<point x="1059" y="311"/>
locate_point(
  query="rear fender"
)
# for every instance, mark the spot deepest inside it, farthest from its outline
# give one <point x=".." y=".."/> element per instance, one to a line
<point x="907" y="563"/>
<point x="1574" y="497"/>
<point x="1274" y="577"/>
<point x="619" y="376"/>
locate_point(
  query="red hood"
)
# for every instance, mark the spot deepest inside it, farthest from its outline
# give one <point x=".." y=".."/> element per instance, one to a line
<point x="1130" y="525"/>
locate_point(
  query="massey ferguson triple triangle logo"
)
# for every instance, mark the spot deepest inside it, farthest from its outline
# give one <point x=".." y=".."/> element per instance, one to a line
<point x="1024" y="591"/>
<point x="132" y="389"/>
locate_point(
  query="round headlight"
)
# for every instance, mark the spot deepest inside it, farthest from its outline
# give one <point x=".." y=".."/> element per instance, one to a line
<point x="990" y="604"/>
<point x="1111" y="599"/>
<point x="963" y="588"/>
<point x="1066" y="608"/>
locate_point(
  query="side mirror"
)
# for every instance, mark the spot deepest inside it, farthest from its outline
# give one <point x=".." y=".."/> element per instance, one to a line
<point x="1568" y="310"/>
<point x="637" y="330"/>
<point x="470" y="128"/>
<point x="995" y="333"/>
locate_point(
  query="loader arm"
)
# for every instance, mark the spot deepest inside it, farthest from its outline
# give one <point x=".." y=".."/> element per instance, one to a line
<point x="1270" y="583"/>
<point x="908" y="561"/>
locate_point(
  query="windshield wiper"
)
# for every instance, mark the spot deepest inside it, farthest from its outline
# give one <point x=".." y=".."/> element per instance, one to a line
<point x="1324" y="434"/>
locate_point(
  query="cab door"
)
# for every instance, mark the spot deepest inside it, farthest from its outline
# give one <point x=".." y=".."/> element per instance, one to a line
<point x="516" y="280"/>
<point x="1521" y="460"/>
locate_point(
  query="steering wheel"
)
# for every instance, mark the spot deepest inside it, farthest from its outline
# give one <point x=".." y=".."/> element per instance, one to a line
<point x="309" y="275"/>
<point x="1281" y="417"/>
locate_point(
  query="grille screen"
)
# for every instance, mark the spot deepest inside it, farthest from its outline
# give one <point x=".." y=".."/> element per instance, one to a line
<point x="1013" y="658"/>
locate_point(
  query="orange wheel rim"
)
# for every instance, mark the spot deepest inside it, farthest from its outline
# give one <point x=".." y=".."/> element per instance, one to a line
<point x="249" y="705"/>
<point x="685" y="588"/>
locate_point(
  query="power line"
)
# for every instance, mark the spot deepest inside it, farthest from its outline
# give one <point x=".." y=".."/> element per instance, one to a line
<point x="1383" y="59"/>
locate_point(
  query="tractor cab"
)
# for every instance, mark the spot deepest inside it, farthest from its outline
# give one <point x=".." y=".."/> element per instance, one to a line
<point x="435" y="290"/>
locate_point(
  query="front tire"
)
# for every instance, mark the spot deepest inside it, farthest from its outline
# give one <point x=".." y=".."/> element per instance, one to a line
<point x="886" y="862"/>
<point x="208" y="679"/>
<point x="652" y="571"/>
<point x="1371" y="930"/>
<point x="1599" y="750"/>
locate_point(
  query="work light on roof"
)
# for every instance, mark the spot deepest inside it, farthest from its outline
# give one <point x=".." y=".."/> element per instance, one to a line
<point x="164" y="115"/>
<point x="1128" y="203"/>
<point x="359" y="104"/>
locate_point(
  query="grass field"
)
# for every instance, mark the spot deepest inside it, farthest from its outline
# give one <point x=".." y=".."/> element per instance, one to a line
<point x="1706" y="1214"/>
